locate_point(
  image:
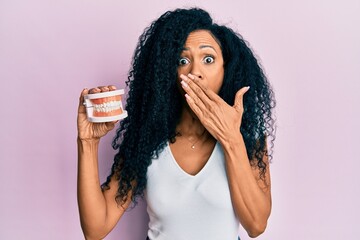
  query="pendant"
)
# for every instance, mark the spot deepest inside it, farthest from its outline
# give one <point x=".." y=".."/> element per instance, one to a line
<point x="193" y="146"/>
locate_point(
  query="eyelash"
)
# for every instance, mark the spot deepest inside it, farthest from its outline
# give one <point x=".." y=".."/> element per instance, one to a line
<point x="207" y="56"/>
<point x="181" y="59"/>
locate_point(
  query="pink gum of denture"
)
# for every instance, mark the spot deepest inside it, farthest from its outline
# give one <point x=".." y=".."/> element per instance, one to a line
<point x="105" y="106"/>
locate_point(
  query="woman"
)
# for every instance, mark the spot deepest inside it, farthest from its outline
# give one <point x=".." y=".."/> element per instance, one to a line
<point x="194" y="142"/>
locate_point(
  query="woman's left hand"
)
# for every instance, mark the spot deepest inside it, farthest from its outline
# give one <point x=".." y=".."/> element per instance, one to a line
<point x="219" y="118"/>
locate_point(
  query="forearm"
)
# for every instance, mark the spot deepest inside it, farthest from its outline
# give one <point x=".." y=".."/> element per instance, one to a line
<point x="91" y="201"/>
<point x="251" y="202"/>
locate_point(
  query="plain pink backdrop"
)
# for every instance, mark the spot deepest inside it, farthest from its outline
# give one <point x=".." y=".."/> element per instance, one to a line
<point x="51" y="50"/>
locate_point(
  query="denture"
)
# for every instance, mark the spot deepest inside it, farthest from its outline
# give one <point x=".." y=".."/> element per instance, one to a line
<point x="105" y="106"/>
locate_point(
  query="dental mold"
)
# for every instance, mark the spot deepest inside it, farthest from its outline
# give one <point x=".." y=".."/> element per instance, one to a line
<point x="105" y="106"/>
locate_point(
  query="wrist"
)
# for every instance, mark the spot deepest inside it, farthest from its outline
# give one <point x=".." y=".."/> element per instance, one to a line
<point x="232" y="141"/>
<point x="87" y="147"/>
<point x="235" y="150"/>
<point x="88" y="141"/>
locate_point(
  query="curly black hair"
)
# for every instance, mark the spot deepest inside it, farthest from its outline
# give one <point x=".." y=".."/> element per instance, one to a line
<point x="154" y="102"/>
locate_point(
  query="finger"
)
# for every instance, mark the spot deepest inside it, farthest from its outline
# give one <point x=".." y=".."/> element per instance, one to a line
<point x="104" y="88"/>
<point x="112" y="87"/>
<point x="194" y="107"/>
<point x="238" y="102"/>
<point x="194" y="93"/>
<point x="198" y="91"/>
<point x="94" y="90"/>
<point x="110" y="125"/>
<point x="208" y="92"/>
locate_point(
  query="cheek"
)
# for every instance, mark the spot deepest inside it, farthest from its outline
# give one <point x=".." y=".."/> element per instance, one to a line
<point x="217" y="86"/>
<point x="216" y="81"/>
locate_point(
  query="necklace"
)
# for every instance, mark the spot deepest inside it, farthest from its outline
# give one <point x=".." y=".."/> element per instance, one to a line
<point x="193" y="143"/>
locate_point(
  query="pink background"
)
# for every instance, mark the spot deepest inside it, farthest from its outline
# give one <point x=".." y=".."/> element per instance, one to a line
<point x="50" y="50"/>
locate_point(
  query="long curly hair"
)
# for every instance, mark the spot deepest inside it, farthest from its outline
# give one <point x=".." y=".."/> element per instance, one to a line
<point x="154" y="102"/>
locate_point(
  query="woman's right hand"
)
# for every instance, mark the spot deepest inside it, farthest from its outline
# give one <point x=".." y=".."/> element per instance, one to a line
<point x="88" y="130"/>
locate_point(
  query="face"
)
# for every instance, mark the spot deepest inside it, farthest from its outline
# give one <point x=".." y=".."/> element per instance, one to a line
<point x="202" y="57"/>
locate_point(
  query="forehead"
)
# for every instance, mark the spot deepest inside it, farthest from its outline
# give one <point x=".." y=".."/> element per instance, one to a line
<point x="201" y="37"/>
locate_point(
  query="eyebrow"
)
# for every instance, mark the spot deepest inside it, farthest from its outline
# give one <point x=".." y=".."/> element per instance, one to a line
<point x="201" y="47"/>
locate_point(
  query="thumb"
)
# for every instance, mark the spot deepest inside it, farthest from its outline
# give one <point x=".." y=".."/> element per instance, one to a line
<point x="238" y="102"/>
<point x="84" y="92"/>
<point x="110" y="125"/>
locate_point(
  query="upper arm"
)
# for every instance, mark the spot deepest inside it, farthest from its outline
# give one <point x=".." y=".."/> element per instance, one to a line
<point x="114" y="211"/>
<point x="263" y="182"/>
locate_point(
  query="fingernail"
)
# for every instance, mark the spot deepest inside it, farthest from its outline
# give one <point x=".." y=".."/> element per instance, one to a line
<point x="184" y="84"/>
<point x="187" y="96"/>
<point x="191" y="76"/>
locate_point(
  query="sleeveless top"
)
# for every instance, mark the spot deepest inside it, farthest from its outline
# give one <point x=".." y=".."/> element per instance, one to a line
<point x="186" y="207"/>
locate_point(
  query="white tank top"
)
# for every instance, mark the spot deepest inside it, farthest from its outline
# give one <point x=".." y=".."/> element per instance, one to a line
<point x="186" y="207"/>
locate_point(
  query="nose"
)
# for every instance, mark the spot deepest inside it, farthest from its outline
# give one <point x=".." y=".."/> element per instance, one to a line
<point x="196" y="70"/>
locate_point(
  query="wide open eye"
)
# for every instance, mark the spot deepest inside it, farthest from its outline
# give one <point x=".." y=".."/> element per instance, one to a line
<point x="183" y="61"/>
<point x="209" y="59"/>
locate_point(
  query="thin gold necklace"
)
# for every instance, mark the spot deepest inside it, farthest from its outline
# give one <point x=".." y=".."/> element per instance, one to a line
<point x="193" y="143"/>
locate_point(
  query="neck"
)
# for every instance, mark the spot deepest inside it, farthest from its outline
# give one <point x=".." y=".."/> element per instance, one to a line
<point x="190" y="130"/>
<point x="189" y="124"/>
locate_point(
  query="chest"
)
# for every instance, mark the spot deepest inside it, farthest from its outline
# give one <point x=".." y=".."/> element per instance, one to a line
<point x="190" y="160"/>
<point x="170" y="186"/>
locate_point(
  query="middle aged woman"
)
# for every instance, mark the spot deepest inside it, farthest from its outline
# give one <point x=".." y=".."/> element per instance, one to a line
<point x="194" y="141"/>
